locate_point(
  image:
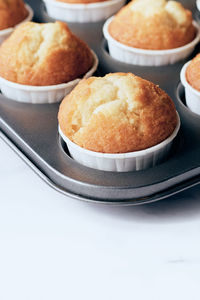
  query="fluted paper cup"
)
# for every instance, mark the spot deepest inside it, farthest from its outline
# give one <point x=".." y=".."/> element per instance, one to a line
<point x="192" y="96"/>
<point x="41" y="94"/>
<point x="122" y="162"/>
<point x="198" y="4"/>
<point x="82" y="13"/>
<point x="4" y="34"/>
<point x="145" y="57"/>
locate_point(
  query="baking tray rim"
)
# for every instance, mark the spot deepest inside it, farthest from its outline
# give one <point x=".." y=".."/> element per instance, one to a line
<point x="183" y="185"/>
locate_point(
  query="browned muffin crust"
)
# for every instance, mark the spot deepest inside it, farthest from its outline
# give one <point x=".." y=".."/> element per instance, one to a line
<point x="12" y="12"/>
<point x="193" y="73"/>
<point x="117" y="113"/>
<point x="43" y="54"/>
<point x="81" y="1"/>
<point x="153" y="25"/>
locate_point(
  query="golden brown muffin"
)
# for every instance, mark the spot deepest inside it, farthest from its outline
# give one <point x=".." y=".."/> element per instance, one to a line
<point x="80" y="1"/>
<point x="193" y="72"/>
<point x="44" y="54"/>
<point x="12" y="12"/>
<point x="153" y="24"/>
<point x="117" y="113"/>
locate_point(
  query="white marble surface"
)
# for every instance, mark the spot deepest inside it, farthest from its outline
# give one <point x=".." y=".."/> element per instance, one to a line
<point x="54" y="247"/>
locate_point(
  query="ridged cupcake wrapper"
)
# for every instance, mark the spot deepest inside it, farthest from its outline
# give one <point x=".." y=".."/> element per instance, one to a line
<point x="144" y="57"/>
<point x="122" y="162"/>
<point x="4" y="34"/>
<point x="192" y="96"/>
<point x="41" y="94"/>
<point x="82" y="13"/>
<point x="198" y="4"/>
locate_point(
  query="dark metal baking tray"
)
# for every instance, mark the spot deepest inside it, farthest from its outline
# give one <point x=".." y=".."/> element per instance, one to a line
<point x="31" y="130"/>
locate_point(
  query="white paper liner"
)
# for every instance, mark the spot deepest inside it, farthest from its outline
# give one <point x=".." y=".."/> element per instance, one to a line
<point x="192" y="96"/>
<point x="4" y="34"/>
<point x="144" y="57"/>
<point x="42" y="94"/>
<point x="82" y="13"/>
<point x="198" y="4"/>
<point x="122" y="162"/>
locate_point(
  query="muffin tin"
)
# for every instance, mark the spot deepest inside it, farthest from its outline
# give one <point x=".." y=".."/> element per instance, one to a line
<point x="32" y="131"/>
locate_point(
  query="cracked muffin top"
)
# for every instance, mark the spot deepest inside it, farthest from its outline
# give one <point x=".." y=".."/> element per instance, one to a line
<point x="153" y="25"/>
<point x="117" y="113"/>
<point x="43" y="54"/>
<point x="12" y="12"/>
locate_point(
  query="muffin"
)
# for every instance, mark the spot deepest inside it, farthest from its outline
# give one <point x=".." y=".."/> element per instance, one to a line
<point x="117" y="114"/>
<point x="44" y="54"/>
<point x="193" y="73"/>
<point x="82" y="11"/>
<point x="190" y="78"/>
<point x="153" y="25"/>
<point x="43" y="58"/>
<point x="151" y="33"/>
<point x="12" y="12"/>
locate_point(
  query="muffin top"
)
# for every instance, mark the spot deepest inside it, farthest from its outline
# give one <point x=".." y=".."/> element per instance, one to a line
<point x="193" y="72"/>
<point x="153" y="25"/>
<point x="43" y="54"/>
<point x="81" y="1"/>
<point x="12" y="12"/>
<point x="117" y="113"/>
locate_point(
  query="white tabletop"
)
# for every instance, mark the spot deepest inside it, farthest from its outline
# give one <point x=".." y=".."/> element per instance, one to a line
<point x="55" y="247"/>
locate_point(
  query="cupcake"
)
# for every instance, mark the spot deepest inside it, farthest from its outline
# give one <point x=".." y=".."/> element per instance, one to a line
<point x="119" y="122"/>
<point x="44" y="57"/>
<point x="12" y="12"/>
<point x="151" y="32"/>
<point x="190" y="78"/>
<point x="82" y="11"/>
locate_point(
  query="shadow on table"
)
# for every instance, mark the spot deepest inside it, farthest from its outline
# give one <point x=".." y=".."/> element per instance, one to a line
<point x="183" y="205"/>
